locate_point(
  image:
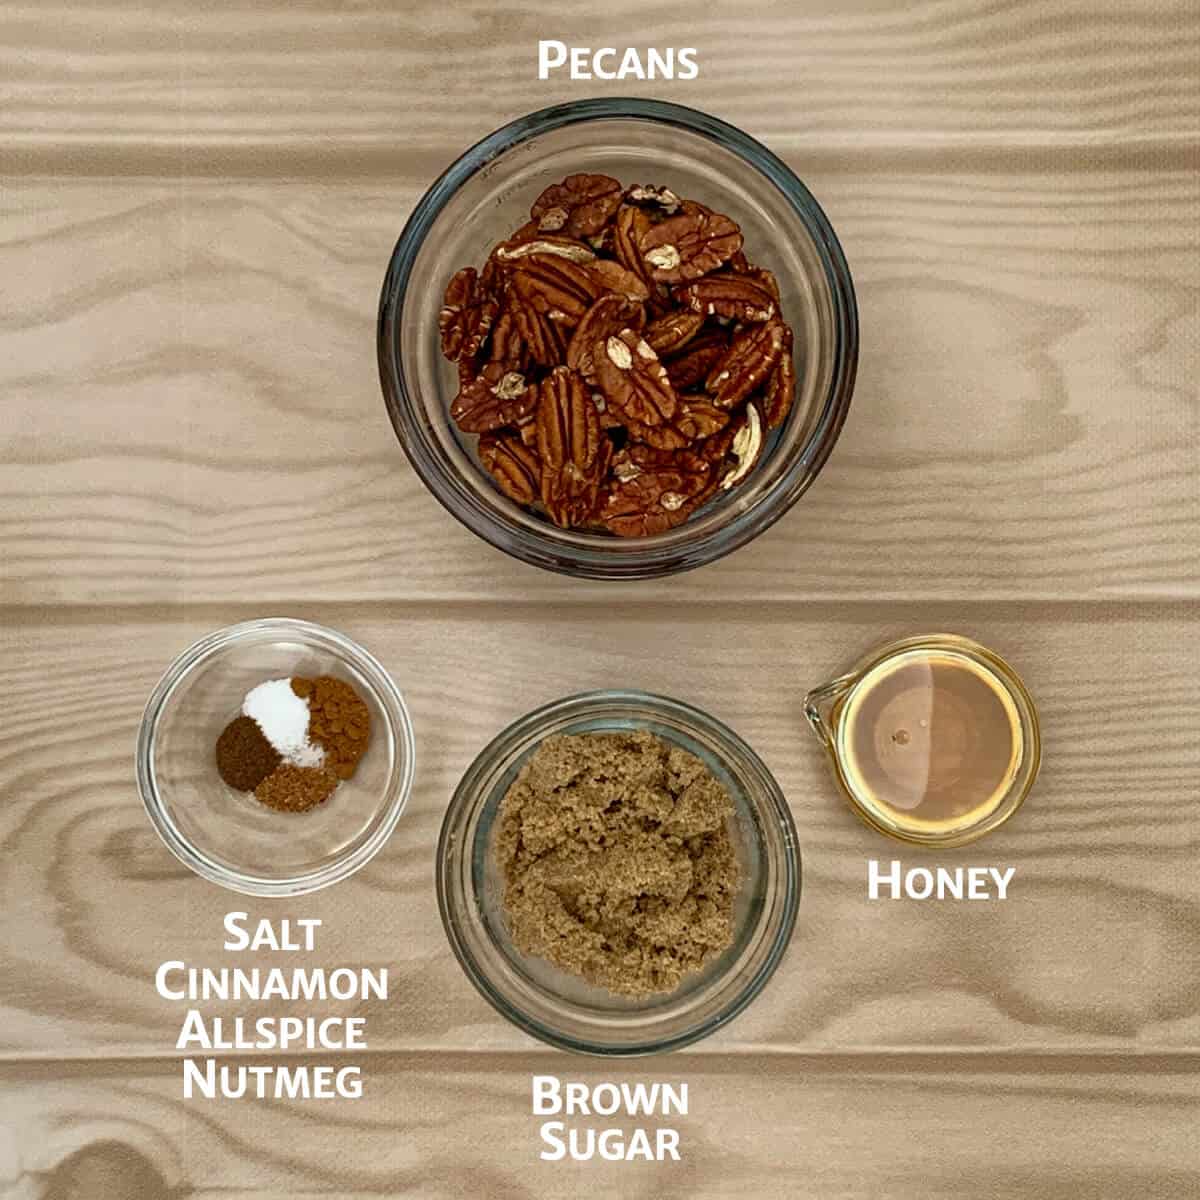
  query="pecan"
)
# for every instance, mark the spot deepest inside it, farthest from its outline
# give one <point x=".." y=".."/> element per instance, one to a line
<point x="539" y="336"/>
<point x="507" y="346"/>
<point x="579" y="206"/>
<point x="698" y="418"/>
<point x="559" y="247"/>
<point x="466" y="316"/>
<point x="735" y="297"/>
<point x="634" y="381"/>
<point x="671" y="332"/>
<point x="574" y="451"/>
<point x="650" y="458"/>
<point x="629" y="228"/>
<point x="689" y="245"/>
<point x="513" y="465"/>
<point x="766" y="279"/>
<point x="746" y="448"/>
<point x="698" y="358"/>
<point x="556" y="287"/>
<point x="658" y="197"/>
<point x="660" y="437"/>
<point x="495" y="397"/>
<point x="609" y="315"/>
<point x="780" y="391"/>
<point x="651" y="501"/>
<point x="527" y="431"/>
<point x="612" y="277"/>
<point x="751" y="359"/>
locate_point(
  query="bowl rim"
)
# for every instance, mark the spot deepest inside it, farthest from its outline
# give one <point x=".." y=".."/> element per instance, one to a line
<point x="467" y="799"/>
<point x="397" y="789"/>
<point x="650" y="558"/>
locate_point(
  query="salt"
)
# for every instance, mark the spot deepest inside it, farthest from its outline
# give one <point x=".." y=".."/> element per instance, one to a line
<point x="283" y="718"/>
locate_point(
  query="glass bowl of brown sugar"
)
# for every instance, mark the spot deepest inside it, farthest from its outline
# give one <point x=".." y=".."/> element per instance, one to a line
<point x="592" y="1011"/>
<point x="260" y="844"/>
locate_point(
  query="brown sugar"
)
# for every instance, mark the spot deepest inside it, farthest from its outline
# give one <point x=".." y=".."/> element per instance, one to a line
<point x="617" y="860"/>
<point x="296" y="789"/>
<point x="244" y="755"/>
<point x="338" y="721"/>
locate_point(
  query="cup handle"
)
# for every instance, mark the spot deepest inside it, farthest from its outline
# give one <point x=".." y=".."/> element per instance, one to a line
<point x="820" y="700"/>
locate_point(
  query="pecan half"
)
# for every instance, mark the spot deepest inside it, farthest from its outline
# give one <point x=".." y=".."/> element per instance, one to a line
<point x="466" y="316"/>
<point x="634" y="381"/>
<point x="558" y="247"/>
<point x="579" y="206"/>
<point x="659" y="437"/>
<point x="689" y="245"/>
<point x="513" y="465"/>
<point x="496" y="397"/>
<point x="540" y="337"/>
<point x="697" y="360"/>
<point x="609" y="315"/>
<point x="751" y="359"/>
<point x="612" y="277"/>
<point x="735" y="297"/>
<point x="629" y="228"/>
<point x="698" y="419"/>
<point x="506" y="345"/>
<point x="651" y="501"/>
<point x="657" y="197"/>
<point x="671" y="332"/>
<point x="574" y="451"/>
<point x="556" y="287"/>
<point x="746" y="448"/>
<point x="766" y="279"/>
<point x="780" y="391"/>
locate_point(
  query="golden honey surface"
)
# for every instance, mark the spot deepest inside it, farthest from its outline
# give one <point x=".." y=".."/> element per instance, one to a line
<point x="929" y="741"/>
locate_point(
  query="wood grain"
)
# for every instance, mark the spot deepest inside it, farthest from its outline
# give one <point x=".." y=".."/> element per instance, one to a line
<point x="200" y="414"/>
<point x="1099" y="946"/>
<point x="197" y="204"/>
<point x="453" y="1125"/>
<point x="227" y="77"/>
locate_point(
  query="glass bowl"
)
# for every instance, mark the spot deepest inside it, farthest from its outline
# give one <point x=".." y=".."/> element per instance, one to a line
<point x="486" y="195"/>
<point x="560" y="1008"/>
<point x="228" y="836"/>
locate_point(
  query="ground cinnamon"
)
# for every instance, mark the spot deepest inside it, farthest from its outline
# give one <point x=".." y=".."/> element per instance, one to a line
<point x="338" y="721"/>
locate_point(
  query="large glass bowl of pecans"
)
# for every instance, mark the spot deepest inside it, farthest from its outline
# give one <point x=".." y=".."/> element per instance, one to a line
<point x="618" y="338"/>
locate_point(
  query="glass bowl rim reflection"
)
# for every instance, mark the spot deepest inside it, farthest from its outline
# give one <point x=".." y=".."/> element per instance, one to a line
<point x="499" y="760"/>
<point x="593" y="556"/>
<point x="397" y="786"/>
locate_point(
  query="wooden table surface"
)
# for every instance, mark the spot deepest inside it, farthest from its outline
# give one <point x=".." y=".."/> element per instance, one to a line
<point x="198" y="205"/>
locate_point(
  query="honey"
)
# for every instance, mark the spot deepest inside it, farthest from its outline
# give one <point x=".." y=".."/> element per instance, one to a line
<point x="934" y="740"/>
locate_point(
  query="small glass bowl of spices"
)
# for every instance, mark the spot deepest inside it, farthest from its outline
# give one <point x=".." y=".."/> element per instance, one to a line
<point x="275" y="757"/>
<point x="618" y="873"/>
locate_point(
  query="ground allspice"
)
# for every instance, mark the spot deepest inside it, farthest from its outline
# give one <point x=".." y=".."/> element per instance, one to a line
<point x="244" y="756"/>
<point x="296" y="789"/>
<point x="338" y="721"/>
